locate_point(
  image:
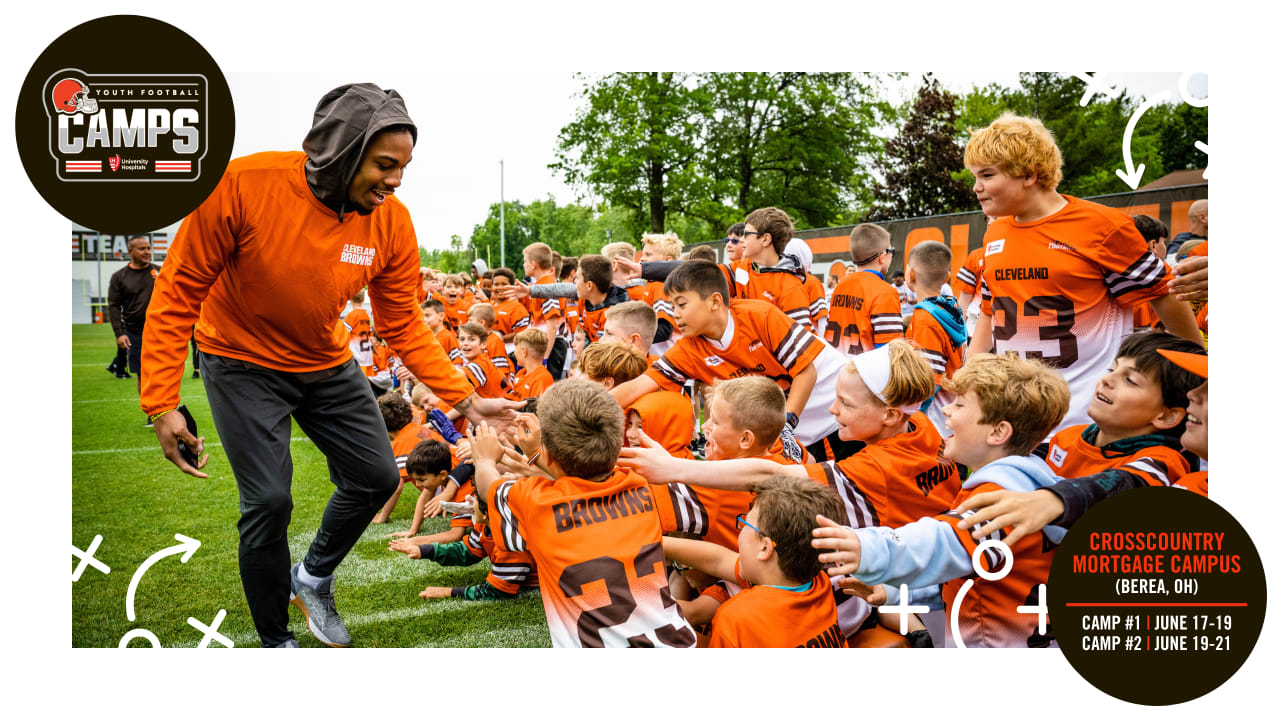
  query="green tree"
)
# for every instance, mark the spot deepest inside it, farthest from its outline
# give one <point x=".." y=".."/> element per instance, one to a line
<point x="918" y="165"/>
<point x="634" y="142"/>
<point x="798" y="141"/>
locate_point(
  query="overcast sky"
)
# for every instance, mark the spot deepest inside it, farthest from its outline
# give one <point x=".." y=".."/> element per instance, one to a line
<point x="469" y="121"/>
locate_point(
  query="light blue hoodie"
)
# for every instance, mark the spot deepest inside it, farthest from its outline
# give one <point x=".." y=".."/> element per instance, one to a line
<point x="927" y="551"/>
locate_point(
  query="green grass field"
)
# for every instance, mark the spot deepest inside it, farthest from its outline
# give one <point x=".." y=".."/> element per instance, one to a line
<point x="124" y="490"/>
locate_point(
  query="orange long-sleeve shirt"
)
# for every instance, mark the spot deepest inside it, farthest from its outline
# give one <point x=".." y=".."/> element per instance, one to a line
<point x="267" y="270"/>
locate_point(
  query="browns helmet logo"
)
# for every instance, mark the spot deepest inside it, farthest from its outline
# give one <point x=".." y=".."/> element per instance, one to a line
<point x="71" y="96"/>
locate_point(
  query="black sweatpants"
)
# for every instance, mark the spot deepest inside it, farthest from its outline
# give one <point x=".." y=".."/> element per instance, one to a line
<point x="251" y="408"/>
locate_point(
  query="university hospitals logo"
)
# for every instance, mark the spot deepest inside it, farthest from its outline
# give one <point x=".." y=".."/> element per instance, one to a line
<point x="129" y="138"/>
<point x="128" y="127"/>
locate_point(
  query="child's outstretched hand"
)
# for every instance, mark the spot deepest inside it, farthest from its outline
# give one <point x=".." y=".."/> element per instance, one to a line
<point x="1025" y="512"/>
<point x="432" y="593"/>
<point x="846" y="549"/>
<point x="486" y="448"/>
<point x="528" y="433"/>
<point x="432" y="508"/>
<point x="408" y="547"/>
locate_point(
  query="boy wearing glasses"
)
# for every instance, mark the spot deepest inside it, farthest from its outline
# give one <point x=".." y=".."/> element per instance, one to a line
<point x="788" y="600"/>
<point x="733" y="243"/>
<point x="865" y="312"/>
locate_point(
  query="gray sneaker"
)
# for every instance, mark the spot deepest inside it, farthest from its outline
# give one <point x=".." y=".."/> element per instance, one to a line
<point x="290" y="643"/>
<point x="317" y="605"/>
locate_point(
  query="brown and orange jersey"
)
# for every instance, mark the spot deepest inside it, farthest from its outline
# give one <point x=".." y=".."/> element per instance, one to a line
<point x="932" y="341"/>
<point x="510" y="317"/>
<point x="545" y="314"/>
<point x="970" y="274"/>
<point x="245" y="237"/>
<point x="496" y="351"/>
<point x="1061" y="289"/>
<point x="1196" y="482"/>
<point x="758" y="340"/>
<point x="894" y="481"/>
<point x="455" y="315"/>
<point x="406" y="440"/>
<point x="509" y="571"/>
<point x="1072" y="454"/>
<point x="449" y="341"/>
<point x="781" y="288"/>
<point x="865" y="313"/>
<point x="530" y="382"/>
<point x="988" y="614"/>
<point x="818" y="308"/>
<point x="764" y="616"/>
<point x="598" y="548"/>
<point x="484" y="377"/>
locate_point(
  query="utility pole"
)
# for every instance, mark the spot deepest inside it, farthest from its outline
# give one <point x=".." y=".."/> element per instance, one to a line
<point x="502" y="215"/>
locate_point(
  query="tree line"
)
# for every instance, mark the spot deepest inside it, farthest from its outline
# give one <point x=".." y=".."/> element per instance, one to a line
<point x="693" y="153"/>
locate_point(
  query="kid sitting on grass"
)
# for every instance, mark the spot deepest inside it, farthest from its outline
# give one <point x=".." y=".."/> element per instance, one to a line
<point x="592" y="528"/>
<point x="509" y="572"/>
<point x="787" y="600"/>
<point x="405" y="435"/>
<point x="1004" y="407"/>
<point x="427" y="467"/>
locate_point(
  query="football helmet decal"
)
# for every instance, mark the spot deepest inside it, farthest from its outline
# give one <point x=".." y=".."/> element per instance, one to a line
<point x="71" y="96"/>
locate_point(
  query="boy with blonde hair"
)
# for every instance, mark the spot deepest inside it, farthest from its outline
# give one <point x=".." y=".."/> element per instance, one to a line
<point x="546" y="315"/>
<point x="659" y="247"/>
<point x="587" y="525"/>
<point x="1060" y="275"/>
<point x="532" y="379"/>
<point x="636" y="289"/>
<point x="1004" y="407"/>
<point x="864" y="310"/>
<point x="632" y="323"/>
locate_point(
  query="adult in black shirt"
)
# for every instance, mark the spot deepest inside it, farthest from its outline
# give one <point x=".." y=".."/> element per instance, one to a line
<point x="128" y="295"/>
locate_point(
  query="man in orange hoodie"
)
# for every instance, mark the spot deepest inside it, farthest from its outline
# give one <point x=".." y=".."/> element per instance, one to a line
<point x="266" y="264"/>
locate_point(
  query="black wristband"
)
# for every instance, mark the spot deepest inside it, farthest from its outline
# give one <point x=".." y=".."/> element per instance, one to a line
<point x="428" y="551"/>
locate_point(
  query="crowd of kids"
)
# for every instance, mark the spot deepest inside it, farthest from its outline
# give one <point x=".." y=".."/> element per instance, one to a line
<point x="722" y="452"/>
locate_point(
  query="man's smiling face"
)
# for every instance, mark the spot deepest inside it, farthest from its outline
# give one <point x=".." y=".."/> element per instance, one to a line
<point x="380" y="170"/>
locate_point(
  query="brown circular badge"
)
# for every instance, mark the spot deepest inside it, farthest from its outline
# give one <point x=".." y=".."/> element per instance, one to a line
<point x="1157" y="596"/>
<point x="125" y="124"/>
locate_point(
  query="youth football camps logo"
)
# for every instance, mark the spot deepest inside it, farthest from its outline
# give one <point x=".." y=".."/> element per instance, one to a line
<point x="129" y="140"/>
<point x="127" y="128"/>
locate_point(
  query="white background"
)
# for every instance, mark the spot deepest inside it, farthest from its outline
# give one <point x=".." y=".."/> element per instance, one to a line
<point x="376" y="40"/>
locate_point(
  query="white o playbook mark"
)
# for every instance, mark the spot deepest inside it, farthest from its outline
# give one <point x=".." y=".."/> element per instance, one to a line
<point x="87" y="558"/>
<point x="955" y="613"/>
<point x="140" y="633"/>
<point x="211" y="631"/>
<point x="1185" y="93"/>
<point x="1005" y="568"/>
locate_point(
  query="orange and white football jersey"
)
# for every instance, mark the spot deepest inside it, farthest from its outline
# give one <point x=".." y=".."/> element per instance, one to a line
<point x="758" y="340"/>
<point x="598" y="549"/>
<point x="865" y="312"/>
<point x="1062" y="290"/>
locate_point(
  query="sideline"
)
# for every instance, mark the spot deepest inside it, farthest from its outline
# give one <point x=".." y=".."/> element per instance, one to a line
<point x="153" y="448"/>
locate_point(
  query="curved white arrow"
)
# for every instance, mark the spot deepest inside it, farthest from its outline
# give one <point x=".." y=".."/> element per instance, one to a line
<point x="186" y="546"/>
<point x="1129" y="175"/>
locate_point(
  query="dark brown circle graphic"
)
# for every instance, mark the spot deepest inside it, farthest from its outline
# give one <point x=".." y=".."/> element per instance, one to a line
<point x="125" y="124"/>
<point x="1157" y="596"/>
